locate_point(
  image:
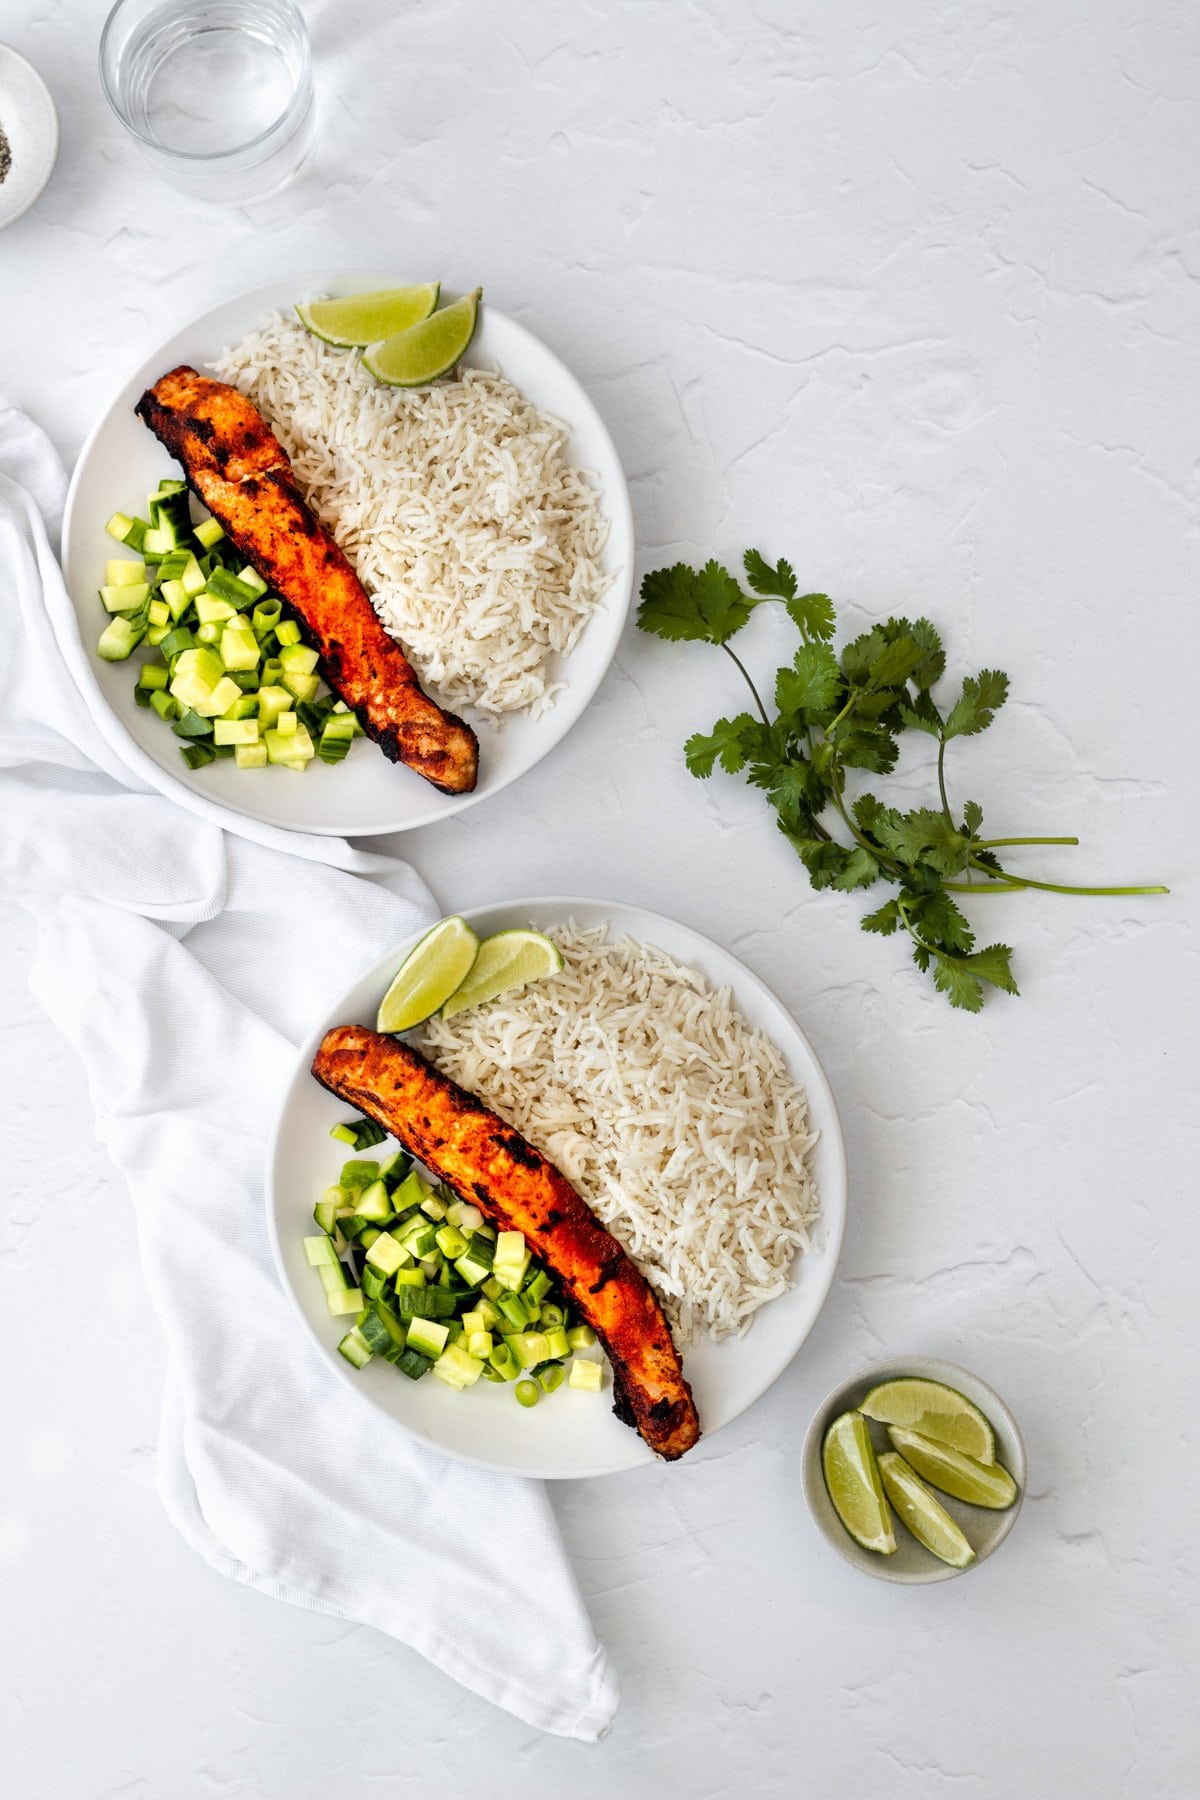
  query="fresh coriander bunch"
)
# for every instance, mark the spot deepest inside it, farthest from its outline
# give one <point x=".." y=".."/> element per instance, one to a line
<point x="836" y="714"/>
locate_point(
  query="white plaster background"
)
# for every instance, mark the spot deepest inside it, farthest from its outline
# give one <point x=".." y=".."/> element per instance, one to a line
<point x="910" y="293"/>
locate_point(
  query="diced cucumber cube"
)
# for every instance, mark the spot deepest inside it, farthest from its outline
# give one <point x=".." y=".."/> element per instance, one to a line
<point x="220" y="700"/>
<point x="250" y="756"/>
<point x="235" y="731"/>
<point x="191" y="577"/>
<point x="119" y="639"/>
<point x="211" y="609"/>
<point x="589" y="1376"/>
<point x="303" y="687"/>
<point x="345" y="1300"/>
<point x="319" y="1250"/>
<point x="429" y="1336"/>
<point x="122" y="572"/>
<point x="126" y="598"/>
<point x="352" y="1346"/>
<point x="286" y="724"/>
<point x="386" y="1254"/>
<point x="239" y="649"/>
<point x="298" y="659"/>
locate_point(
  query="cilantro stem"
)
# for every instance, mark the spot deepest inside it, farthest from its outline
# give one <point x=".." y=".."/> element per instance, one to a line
<point x="1058" y="887"/>
<point x="941" y="778"/>
<point x="734" y="657"/>
<point x="999" y="843"/>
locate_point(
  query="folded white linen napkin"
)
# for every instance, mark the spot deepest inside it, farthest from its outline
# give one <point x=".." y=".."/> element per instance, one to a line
<point x="184" y="953"/>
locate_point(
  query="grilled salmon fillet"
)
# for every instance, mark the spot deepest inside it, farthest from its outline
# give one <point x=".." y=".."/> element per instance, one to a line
<point x="489" y="1163"/>
<point x="241" y="471"/>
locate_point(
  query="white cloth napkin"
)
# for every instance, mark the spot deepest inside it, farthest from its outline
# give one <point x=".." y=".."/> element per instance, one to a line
<point x="184" y="953"/>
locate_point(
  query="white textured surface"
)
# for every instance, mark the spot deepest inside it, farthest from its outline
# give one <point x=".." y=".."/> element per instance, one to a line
<point x="912" y="294"/>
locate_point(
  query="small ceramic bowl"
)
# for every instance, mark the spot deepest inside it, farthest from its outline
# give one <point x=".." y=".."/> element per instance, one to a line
<point x="985" y="1530"/>
<point x="30" y="124"/>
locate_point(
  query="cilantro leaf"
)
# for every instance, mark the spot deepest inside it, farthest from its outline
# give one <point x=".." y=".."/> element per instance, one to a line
<point x="702" y="605"/>
<point x="859" y="870"/>
<point x="868" y="746"/>
<point x="960" y="978"/>
<point x="797" y="792"/>
<point x="812" y="682"/>
<point x="952" y="978"/>
<point x="932" y="664"/>
<point x="922" y="715"/>
<point x="982" y="697"/>
<point x="939" y="921"/>
<point x="895" y="662"/>
<point x="972" y="817"/>
<point x="813" y="615"/>
<point x="778" y="583"/>
<point x="724" y="744"/>
<point x="861" y="654"/>
<point x="994" y="964"/>
<point x="925" y="835"/>
<point x="885" y="920"/>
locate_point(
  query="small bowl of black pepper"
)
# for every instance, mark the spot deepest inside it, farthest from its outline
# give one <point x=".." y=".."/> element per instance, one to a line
<point x="28" y="135"/>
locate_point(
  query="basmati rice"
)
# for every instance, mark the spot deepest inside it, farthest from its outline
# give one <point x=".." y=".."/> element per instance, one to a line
<point x="676" y="1120"/>
<point x="478" y="542"/>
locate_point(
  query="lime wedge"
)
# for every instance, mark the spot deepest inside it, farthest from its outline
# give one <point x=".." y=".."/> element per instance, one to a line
<point x="366" y="318"/>
<point x="418" y="356"/>
<point x="852" y="1477"/>
<point x="916" y="1507"/>
<point x="980" y="1484"/>
<point x="936" y="1412"/>
<point x="510" y="959"/>
<point x="428" y="975"/>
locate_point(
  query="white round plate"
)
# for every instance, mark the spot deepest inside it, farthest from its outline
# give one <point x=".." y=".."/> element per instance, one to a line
<point x="31" y="126"/>
<point x="122" y="462"/>
<point x="570" y="1434"/>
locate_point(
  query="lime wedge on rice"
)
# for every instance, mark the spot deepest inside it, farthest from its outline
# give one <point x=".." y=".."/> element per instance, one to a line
<point x="916" y="1507"/>
<point x="979" y="1484"/>
<point x="366" y="318"/>
<point x="415" y="357"/>
<point x="510" y="959"/>
<point x="935" y="1411"/>
<point x="852" y="1477"/>
<point x="428" y="975"/>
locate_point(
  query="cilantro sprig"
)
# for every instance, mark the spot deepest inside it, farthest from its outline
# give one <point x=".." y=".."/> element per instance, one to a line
<point x="833" y="715"/>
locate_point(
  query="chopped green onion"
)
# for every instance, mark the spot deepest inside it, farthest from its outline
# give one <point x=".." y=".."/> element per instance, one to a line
<point x="527" y="1392"/>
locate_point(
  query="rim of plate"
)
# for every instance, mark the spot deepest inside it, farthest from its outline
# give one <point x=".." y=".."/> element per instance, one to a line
<point x="581" y="672"/>
<point x="820" y="1267"/>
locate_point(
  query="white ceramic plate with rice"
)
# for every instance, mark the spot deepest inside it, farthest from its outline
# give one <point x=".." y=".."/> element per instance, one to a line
<point x="122" y="462"/>
<point x="570" y="1433"/>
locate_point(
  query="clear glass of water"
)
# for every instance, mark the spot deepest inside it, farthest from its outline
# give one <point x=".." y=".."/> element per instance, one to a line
<point x="218" y="93"/>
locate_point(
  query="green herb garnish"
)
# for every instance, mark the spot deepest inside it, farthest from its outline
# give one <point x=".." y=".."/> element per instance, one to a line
<point x="839" y="712"/>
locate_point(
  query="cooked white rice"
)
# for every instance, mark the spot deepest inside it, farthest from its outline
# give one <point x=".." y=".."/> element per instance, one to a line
<point x="676" y="1120"/>
<point x="478" y="542"/>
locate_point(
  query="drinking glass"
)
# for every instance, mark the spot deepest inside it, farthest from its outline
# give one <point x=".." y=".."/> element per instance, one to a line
<point x="217" y="93"/>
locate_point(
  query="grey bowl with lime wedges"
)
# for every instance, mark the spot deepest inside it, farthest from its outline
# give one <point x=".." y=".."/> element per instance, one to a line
<point x="914" y="1470"/>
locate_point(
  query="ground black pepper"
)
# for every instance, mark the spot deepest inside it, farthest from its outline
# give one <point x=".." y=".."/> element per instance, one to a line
<point x="5" y="154"/>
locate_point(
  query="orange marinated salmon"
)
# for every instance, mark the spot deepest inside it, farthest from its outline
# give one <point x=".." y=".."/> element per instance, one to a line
<point x="489" y="1163"/>
<point x="240" y="470"/>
